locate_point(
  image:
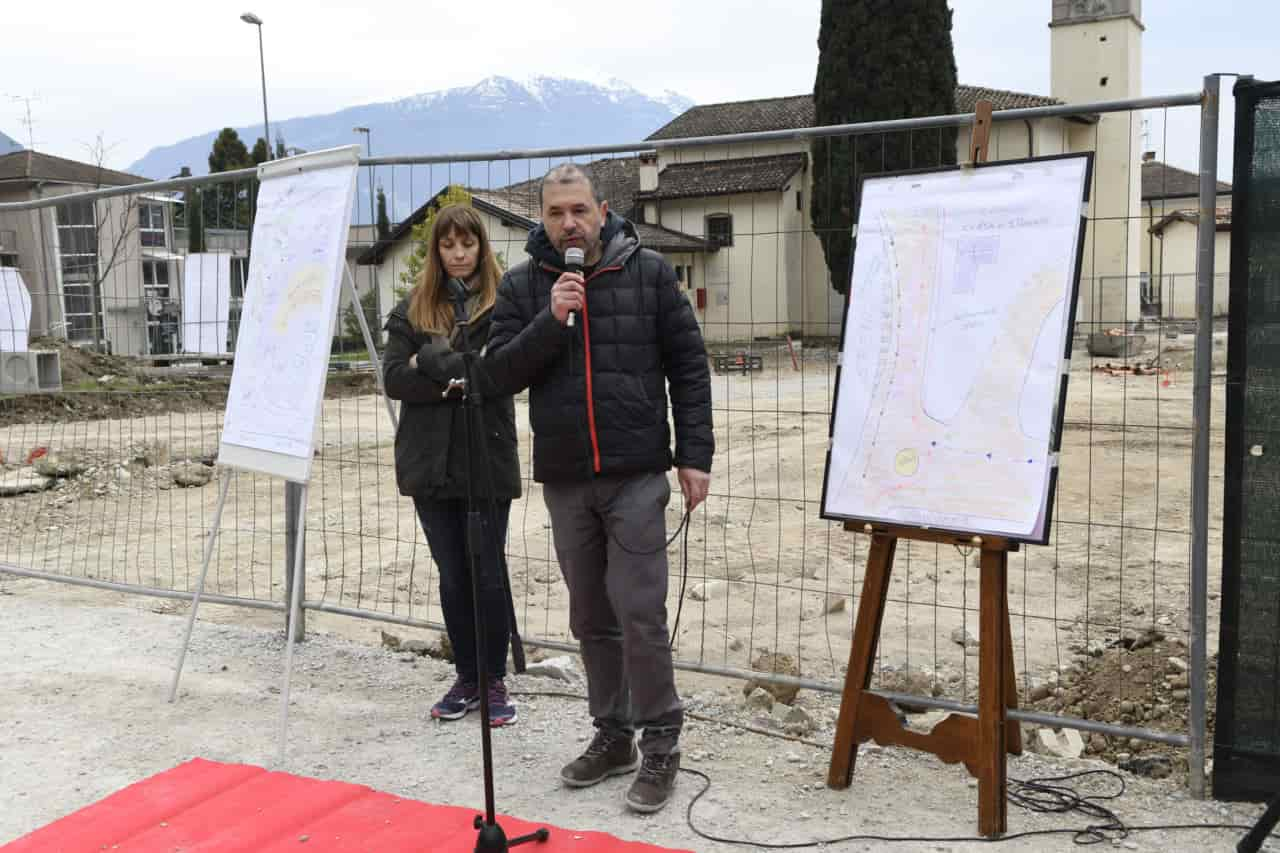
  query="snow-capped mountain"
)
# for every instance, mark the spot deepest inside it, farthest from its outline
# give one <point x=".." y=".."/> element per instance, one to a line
<point x="495" y="113"/>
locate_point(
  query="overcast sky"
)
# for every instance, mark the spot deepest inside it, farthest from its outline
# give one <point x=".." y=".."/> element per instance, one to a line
<point x="148" y="73"/>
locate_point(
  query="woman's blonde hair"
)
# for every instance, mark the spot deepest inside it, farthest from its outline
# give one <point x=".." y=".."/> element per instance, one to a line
<point x="429" y="307"/>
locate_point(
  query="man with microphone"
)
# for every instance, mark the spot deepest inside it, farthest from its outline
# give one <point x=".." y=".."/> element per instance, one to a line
<point x="601" y="449"/>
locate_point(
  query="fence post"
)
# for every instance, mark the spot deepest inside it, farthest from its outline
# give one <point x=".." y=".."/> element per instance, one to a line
<point x="1202" y="391"/>
<point x="294" y="538"/>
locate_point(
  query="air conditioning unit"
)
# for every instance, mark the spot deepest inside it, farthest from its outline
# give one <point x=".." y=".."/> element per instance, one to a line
<point x="30" y="372"/>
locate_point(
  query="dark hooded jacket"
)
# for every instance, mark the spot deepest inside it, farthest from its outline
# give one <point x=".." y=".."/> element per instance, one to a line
<point x="598" y="391"/>
<point x="430" y="446"/>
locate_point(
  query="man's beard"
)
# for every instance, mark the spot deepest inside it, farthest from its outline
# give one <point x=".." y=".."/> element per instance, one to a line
<point x="588" y="246"/>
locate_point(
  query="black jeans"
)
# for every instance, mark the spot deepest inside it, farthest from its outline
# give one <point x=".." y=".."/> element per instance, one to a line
<point x="445" y="523"/>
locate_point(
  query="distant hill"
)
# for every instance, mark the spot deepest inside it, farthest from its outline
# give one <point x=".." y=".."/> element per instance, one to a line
<point x="8" y="144"/>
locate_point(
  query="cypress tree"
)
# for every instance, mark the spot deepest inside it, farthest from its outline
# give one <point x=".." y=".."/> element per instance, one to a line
<point x="384" y="221"/>
<point x="229" y="205"/>
<point x="261" y="153"/>
<point x="193" y="204"/>
<point x="877" y="60"/>
<point x="228" y="152"/>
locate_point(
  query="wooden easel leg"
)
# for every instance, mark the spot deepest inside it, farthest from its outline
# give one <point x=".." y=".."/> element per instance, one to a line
<point x="993" y="693"/>
<point x="1013" y="733"/>
<point x="862" y="653"/>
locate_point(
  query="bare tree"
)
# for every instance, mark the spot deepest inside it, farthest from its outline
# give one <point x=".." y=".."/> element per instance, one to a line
<point x="115" y="220"/>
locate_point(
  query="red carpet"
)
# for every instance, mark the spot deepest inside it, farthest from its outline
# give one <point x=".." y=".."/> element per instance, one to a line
<point x="204" y="805"/>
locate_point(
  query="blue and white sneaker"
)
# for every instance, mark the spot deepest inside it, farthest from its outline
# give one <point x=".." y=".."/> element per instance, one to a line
<point x="462" y="697"/>
<point x="502" y="711"/>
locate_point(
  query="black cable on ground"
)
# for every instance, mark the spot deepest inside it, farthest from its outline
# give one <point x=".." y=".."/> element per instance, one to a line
<point x="1050" y="795"/>
<point x="1114" y="830"/>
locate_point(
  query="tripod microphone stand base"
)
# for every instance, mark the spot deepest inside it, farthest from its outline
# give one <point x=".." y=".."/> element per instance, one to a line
<point x="492" y="838"/>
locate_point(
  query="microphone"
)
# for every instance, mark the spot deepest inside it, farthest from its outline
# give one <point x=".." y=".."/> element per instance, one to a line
<point x="573" y="260"/>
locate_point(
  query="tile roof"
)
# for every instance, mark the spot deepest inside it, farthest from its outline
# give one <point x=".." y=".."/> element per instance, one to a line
<point x="726" y="177"/>
<point x="797" y="111"/>
<point x="1222" y="219"/>
<point x="521" y="202"/>
<point x="967" y="98"/>
<point x="740" y="117"/>
<point x="617" y="178"/>
<point x="1160" y="180"/>
<point x="34" y="166"/>
<point x="663" y="239"/>
<point x="518" y="206"/>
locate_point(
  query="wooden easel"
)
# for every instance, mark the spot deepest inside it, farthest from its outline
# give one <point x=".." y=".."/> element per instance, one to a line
<point x="981" y="743"/>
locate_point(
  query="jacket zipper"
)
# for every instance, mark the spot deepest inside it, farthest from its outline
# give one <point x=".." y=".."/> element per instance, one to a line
<point x="586" y="346"/>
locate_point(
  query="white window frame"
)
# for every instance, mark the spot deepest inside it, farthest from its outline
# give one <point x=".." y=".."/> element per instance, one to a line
<point x="70" y="230"/>
<point x="151" y="224"/>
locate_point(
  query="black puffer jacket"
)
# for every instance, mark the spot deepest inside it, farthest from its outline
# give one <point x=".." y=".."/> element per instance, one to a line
<point x="598" y="405"/>
<point x="430" y="448"/>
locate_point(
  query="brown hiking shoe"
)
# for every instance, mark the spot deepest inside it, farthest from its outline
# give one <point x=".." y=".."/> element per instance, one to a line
<point x="655" y="782"/>
<point x="609" y="754"/>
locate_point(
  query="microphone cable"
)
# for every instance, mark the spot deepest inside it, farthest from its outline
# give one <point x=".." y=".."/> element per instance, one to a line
<point x="684" y="521"/>
<point x="684" y="565"/>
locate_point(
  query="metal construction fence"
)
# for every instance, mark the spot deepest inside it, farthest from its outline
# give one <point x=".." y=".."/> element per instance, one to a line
<point x="114" y="467"/>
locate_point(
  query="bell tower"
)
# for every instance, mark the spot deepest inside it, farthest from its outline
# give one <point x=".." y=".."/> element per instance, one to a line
<point x="1096" y="55"/>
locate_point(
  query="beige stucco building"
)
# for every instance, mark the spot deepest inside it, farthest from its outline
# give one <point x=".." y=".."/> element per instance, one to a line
<point x="732" y="219"/>
<point x="1170" y="217"/>
<point x="766" y="275"/>
<point x="1096" y="55"/>
<point x="769" y="276"/>
<point x="508" y="214"/>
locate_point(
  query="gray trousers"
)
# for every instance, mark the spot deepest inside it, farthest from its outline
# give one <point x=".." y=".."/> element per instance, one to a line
<point x="618" y="600"/>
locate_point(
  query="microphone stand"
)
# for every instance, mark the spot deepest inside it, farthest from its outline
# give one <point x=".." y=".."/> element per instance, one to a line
<point x="491" y="838"/>
<point x="1252" y="842"/>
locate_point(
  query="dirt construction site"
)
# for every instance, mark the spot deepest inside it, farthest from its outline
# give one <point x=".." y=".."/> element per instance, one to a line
<point x="114" y="482"/>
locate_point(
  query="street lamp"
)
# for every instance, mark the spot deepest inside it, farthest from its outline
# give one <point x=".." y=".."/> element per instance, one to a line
<point x="373" y="221"/>
<point x="250" y="18"/>
<point x="368" y="148"/>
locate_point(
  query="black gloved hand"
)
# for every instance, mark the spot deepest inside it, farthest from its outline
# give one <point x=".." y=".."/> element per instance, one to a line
<point x="432" y="356"/>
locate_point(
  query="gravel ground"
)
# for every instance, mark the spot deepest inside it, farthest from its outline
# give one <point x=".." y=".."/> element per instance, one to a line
<point x="87" y="674"/>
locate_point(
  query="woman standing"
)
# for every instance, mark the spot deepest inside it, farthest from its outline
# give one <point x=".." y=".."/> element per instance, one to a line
<point x="432" y="463"/>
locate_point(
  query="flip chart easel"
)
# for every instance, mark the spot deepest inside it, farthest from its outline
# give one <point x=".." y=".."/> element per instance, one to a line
<point x="309" y="217"/>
